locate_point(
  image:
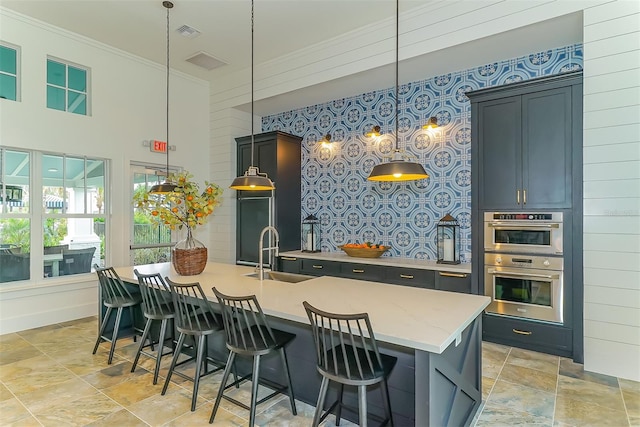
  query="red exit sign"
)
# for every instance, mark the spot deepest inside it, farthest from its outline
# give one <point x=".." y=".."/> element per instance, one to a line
<point x="158" y="146"/>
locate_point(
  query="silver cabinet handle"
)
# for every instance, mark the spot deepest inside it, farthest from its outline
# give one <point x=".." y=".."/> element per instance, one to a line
<point x="288" y="258"/>
<point x="518" y="331"/>
<point x="516" y="274"/>
<point x="459" y="275"/>
<point x="518" y="197"/>
<point x="317" y="266"/>
<point x="357" y="271"/>
<point x="524" y="197"/>
<point x="406" y="276"/>
<point x="509" y="225"/>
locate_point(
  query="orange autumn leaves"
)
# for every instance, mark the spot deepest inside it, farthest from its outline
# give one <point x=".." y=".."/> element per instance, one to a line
<point x="186" y="206"/>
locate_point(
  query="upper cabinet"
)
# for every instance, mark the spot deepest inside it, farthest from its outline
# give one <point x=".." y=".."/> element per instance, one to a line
<point x="523" y="137"/>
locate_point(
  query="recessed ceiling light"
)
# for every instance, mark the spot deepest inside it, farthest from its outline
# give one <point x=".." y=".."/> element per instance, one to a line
<point x="52" y="170"/>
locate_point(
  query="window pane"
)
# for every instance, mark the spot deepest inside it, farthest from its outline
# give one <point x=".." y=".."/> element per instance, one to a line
<point x="95" y="186"/>
<point x="55" y="98"/>
<point x="72" y="245"/>
<point x="56" y="73"/>
<point x="54" y="236"/>
<point x="77" y="79"/>
<point x="52" y="190"/>
<point x="14" y="174"/>
<point x="8" y="87"/>
<point x="15" y="244"/>
<point x="75" y="185"/>
<point x="8" y="60"/>
<point x="77" y="103"/>
<point x="151" y="255"/>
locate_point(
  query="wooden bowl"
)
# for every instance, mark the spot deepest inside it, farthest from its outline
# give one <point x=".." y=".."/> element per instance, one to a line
<point x="365" y="252"/>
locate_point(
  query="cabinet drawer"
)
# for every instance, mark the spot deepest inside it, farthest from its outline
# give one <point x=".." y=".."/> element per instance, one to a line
<point x="453" y="281"/>
<point x="418" y="278"/>
<point x="535" y="336"/>
<point x="362" y="272"/>
<point x="319" y="267"/>
<point x="288" y="264"/>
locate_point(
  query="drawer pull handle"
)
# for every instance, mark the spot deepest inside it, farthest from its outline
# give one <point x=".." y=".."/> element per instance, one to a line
<point x="406" y="276"/>
<point x="518" y="331"/>
<point x="357" y="271"/>
<point x="288" y="258"/>
<point x="460" y="275"/>
<point x="317" y="266"/>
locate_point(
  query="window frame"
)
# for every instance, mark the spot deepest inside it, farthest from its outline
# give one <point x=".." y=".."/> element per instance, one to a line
<point x="66" y="88"/>
<point x="18" y="74"/>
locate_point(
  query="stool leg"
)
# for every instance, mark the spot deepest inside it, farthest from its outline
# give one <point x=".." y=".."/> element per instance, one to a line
<point x="114" y="338"/>
<point x="339" y="411"/>
<point x="196" y="379"/>
<point x="147" y="328"/>
<point x="285" y="368"/>
<point x="173" y="363"/>
<point x="133" y="325"/>
<point x="254" y="389"/>
<point x="362" y="403"/>
<point x="324" y="386"/>
<point x="105" y="320"/>
<point x="387" y="409"/>
<point x="225" y="377"/>
<point x="163" y="332"/>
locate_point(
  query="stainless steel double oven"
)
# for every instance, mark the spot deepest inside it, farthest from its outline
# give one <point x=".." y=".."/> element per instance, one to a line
<point x="524" y="264"/>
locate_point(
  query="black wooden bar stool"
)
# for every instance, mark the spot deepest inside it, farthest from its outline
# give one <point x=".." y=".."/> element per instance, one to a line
<point x="114" y="294"/>
<point x="348" y="354"/>
<point x="249" y="334"/>
<point x="156" y="305"/>
<point x="196" y="318"/>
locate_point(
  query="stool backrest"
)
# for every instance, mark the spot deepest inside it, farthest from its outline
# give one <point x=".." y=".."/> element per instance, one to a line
<point x="245" y="324"/>
<point x="345" y="343"/>
<point x="156" y="294"/>
<point x="194" y="314"/>
<point x="111" y="285"/>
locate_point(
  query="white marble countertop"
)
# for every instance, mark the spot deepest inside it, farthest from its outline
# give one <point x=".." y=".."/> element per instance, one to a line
<point x="422" y="319"/>
<point x="383" y="260"/>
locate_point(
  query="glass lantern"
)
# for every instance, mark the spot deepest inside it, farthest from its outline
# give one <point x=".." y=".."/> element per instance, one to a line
<point x="311" y="234"/>
<point x="448" y="240"/>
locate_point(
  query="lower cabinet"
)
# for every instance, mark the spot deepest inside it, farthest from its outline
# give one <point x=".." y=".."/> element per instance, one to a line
<point x="288" y="264"/>
<point x="536" y="336"/>
<point x="453" y="282"/>
<point x="414" y="277"/>
<point x="317" y="267"/>
<point x="374" y="273"/>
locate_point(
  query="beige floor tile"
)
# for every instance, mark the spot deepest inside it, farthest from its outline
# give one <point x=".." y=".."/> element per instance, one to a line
<point x="56" y="394"/>
<point x="499" y="416"/>
<point x="30" y="333"/>
<point x="24" y="379"/>
<point x="18" y="354"/>
<point x="122" y="418"/>
<point x="280" y="415"/>
<point x="569" y="368"/>
<point x="83" y="362"/>
<point x="487" y="385"/>
<point x="12" y="411"/>
<point x="5" y="393"/>
<point x="519" y="398"/>
<point x="157" y="409"/>
<point x="629" y="385"/>
<point x="529" y="377"/>
<point x="200" y="417"/>
<point x="533" y="360"/>
<point x="133" y="390"/>
<point x="590" y="392"/>
<point x="79" y="412"/>
<point x="112" y="375"/>
<point x="9" y="342"/>
<point x="581" y="413"/>
<point x="632" y="403"/>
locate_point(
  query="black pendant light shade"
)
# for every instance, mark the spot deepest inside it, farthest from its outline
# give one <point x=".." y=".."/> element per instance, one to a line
<point x="253" y="179"/>
<point x="166" y="187"/>
<point x="374" y="131"/>
<point x="398" y="168"/>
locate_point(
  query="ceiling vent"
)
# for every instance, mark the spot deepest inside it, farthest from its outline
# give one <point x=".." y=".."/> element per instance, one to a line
<point x="206" y="61"/>
<point x="188" y="32"/>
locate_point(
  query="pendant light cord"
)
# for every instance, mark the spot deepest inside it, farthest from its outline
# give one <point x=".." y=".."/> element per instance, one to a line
<point x="252" y="134"/>
<point x="397" y="60"/>
<point x="168" y="5"/>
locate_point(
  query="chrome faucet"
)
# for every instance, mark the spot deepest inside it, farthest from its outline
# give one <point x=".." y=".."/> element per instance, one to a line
<point x="261" y="249"/>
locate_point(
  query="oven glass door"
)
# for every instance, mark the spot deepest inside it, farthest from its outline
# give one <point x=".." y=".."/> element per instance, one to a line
<point x="523" y="237"/>
<point x="519" y="236"/>
<point x="529" y="293"/>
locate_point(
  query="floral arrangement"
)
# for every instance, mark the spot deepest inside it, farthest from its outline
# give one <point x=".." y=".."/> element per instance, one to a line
<point x="186" y="206"/>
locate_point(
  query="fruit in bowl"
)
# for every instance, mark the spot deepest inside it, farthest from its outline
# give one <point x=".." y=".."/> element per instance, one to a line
<point x="364" y="250"/>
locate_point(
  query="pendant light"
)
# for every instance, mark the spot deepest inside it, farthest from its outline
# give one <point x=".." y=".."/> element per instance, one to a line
<point x="398" y="168"/>
<point x="166" y="187"/>
<point x="253" y="179"/>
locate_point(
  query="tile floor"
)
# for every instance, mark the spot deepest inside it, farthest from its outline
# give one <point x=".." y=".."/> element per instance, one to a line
<point x="48" y="377"/>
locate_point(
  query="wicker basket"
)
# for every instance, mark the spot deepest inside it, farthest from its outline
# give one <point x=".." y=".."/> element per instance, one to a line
<point x="189" y="262"/>
<point x="365" y="252"/>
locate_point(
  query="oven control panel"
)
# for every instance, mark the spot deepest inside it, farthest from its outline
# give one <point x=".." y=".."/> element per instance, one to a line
<point x="522" y="216"/>
<point x="524" y="261"/>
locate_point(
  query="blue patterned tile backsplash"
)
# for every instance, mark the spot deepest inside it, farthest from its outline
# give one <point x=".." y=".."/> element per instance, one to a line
<point x="403" y="215"/>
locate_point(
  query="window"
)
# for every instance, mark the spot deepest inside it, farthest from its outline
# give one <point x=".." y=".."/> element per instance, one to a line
<point x="9" y="72"/>
<point x="57" y="226"/>
<point x="67" y="87"/>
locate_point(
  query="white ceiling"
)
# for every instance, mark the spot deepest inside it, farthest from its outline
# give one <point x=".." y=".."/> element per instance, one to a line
<point x="281" y="27"/>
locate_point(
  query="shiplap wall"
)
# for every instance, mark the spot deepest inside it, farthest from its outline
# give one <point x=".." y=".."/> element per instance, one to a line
<point x="612" y="189"/>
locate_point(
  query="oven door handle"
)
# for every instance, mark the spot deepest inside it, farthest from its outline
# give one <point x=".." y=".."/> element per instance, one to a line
<point x="522" y="225"/>
<point x="516" y="274"/>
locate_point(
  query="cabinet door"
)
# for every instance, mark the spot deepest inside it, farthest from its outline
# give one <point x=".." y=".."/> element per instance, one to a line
<point x="414" y="277"/>
<point x="319" y="267"/>
<point x="253" y="215"/>
<point x="358" y="271"/>
<point x="546" y="146"/>
<point x="288" y="264"/>
<point x="453" y="282"/>
<point x="499" y="128"/>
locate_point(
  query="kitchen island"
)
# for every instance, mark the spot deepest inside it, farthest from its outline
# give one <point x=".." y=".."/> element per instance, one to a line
<point x="436" y="336"/>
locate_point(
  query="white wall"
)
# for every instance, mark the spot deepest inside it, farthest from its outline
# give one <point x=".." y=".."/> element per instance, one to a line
<point x="128" y="107"/>
<point x="612" y="189"/>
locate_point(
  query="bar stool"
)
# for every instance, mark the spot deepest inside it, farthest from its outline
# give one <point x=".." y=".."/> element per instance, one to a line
<point x="156" y="305"/>
<point x="114" y="294"/>
<point x="249" y="334"/>
<point x="348" y="354"/>
<point x="196" y="318"/>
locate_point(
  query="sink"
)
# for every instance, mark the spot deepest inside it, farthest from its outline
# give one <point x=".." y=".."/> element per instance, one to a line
<point x="283" y="277"/>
